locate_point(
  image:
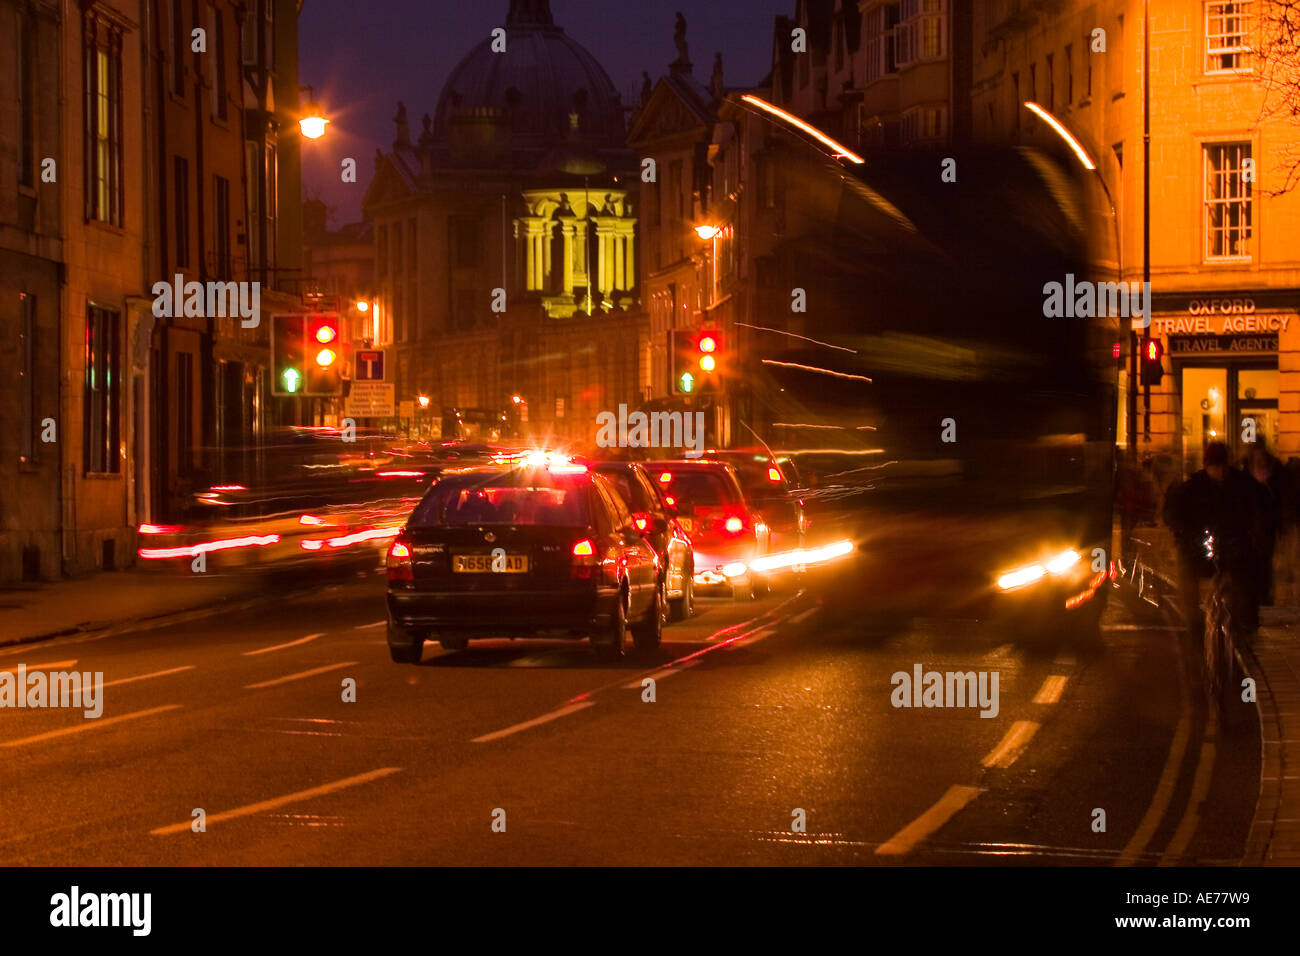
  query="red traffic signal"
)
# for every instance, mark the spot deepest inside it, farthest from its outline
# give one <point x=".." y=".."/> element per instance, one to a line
<point x="323" y="336"/>
<point x="1153" y="370"/>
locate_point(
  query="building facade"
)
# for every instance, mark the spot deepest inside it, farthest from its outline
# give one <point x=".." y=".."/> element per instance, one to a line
<point x="506" y="241"/>
<point x="1224" y="250"/>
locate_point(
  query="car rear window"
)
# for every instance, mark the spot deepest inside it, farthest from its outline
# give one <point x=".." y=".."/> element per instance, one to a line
<point x="503" y="500"/>
<point x="694" y="489"/>
<point x="630" y="491"/>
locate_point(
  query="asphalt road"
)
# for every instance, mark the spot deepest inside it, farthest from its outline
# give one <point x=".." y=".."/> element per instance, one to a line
<point x="765" y="713"/>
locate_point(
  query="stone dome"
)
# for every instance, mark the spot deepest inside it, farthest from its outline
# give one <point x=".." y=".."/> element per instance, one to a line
<point x="545" y="88"/>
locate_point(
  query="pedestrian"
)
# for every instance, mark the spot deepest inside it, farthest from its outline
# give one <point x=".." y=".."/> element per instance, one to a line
<point x="1270" y="484"/>
<point x="1217" y="508"/>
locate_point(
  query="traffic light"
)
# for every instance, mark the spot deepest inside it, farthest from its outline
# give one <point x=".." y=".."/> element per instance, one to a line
<point x="324" y="354"/>
<point x="288" y="354"/>
<point x="684" y="370"/>
<point x="708" y="357"/>
<point x="1152" y="368"/>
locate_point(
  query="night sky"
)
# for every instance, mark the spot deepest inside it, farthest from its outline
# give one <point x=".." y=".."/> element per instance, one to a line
<point x="362" y="57"/>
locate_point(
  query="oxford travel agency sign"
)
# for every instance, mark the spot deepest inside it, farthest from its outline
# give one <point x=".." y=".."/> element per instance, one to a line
<point x="1231" y="324"/>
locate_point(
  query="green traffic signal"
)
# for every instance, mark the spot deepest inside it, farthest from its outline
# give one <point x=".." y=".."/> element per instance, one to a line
<point x="291" y="377"/>
<point x="687" y="382"/>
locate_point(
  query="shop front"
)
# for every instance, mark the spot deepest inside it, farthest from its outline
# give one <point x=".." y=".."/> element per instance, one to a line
<point x="1227" y="376"/>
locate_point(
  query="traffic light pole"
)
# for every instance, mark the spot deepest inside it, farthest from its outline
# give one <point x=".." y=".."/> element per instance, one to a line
<point x="1146" y="198"/>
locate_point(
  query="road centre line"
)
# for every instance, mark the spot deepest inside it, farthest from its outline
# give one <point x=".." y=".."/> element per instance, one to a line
<point x="88" y="725"/>
<point x="536" y="721"/>
<point x="300" y="675"/>
<point x="129" y="680"/>
<point x="1012" y="745"/>
<point x="949" y="805"/>
<point x="1052" y="689"/>
<point x="280" y="647"/>
<point x="276" y="802"/>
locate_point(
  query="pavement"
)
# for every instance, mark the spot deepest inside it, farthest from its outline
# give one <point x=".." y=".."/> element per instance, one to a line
<point x="113" y="600"/>
<point x="1273" y="660"/>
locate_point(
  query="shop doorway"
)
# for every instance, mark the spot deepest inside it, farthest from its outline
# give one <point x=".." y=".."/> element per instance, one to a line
<point x="1227" y="403"/>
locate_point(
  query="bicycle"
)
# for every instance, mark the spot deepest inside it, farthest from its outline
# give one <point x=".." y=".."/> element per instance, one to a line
<point x="1227" y="617"/>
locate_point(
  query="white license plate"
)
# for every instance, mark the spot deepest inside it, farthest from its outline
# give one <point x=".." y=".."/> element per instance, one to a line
<point x="486" y="564"/>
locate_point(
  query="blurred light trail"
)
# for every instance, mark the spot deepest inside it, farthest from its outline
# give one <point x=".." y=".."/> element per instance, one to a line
<point x="1062" y="132"/>
<point x="795" y="335"/>
<point x="802" y="556"/>
<point x="814" y="368"/>
<point x="193" y="551"/>
<point x="839" y="149"/>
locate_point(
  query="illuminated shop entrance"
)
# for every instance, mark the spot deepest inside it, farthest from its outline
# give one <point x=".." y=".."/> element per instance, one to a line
<point x="1219" y="403"/>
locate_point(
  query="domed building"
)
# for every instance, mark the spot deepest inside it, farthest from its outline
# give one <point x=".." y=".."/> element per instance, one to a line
<point x="506" y="237"/>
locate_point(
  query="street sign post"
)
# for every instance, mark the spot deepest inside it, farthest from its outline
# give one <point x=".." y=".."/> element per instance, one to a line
<point x="370" y="400"/>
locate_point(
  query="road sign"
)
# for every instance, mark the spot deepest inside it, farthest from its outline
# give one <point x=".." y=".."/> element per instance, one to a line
<point x="370" y="400"/>
<point x="368" y="365"/>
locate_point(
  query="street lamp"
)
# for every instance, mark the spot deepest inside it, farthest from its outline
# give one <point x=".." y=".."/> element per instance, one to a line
<point x="312" y="122"/>
<point x="363" y="305"/>
<point x="707" y="231"/>
<point x="423" y="400"/>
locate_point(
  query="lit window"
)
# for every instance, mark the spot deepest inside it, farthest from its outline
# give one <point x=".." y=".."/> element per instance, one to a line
<point x="1228" y="199"/>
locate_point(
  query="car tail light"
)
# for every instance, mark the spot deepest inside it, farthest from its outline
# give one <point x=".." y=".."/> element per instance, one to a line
<point x="773" y="475"/>
<point x="670" y="501"/>
<point x="642" y="520"/>
<point x="584" y="558"/>
<point x="666" y="477"/>
<point x="400" y="567"/>
<point x="734" y="525"/>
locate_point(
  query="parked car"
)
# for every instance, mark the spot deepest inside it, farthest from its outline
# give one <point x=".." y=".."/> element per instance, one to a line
<point x="726" y="531"/>
<point x="661" y="528"/>
<point x="530" y="551"/>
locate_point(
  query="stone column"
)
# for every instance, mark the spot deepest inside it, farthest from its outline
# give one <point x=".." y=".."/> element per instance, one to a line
<point x="548" y="231"/>
<point x="567" y="230"/>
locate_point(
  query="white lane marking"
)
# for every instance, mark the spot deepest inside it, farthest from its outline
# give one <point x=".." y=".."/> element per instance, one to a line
<point x="751" y="638"/>
<point x="949" y="805"/>
<point x="1137" y="845"/>
<point x="128" y="680"/>
<point x="1051" y="690"/>
<point x="544" y="719"/>
<point x="804" y="615"/>
<point x="88" y="725"/>
<point x="52" y="665"/>
<point x="280" y="647"/>
<point x="1012" y="745"/>
<point x="362" y="627"/>
<point x="659" y="675"/>
<point x="277" y="802"/>
<point x="299" y="676"/>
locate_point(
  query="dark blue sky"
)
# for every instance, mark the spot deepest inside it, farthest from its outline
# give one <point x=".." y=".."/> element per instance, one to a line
<point x="362" y="56"/>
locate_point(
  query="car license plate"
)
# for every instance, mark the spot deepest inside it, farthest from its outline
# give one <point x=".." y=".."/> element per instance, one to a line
<point x="686" y="523"/>
<point x="486" y="564"/>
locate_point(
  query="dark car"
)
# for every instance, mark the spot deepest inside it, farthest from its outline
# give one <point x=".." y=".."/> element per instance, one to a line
<point x="661" y="528"/>
<point x="727" y="534"/>
<point x="769" y="485"/>
<point x="522" y="553"/>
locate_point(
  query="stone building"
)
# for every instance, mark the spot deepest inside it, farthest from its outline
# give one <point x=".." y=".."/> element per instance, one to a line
<point x="506" y="238"/>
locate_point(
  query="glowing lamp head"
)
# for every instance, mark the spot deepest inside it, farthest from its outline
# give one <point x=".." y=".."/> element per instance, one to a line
<point x="325" y="358"/>
<point x="707" y="231"/>
<point x="708" y="344"/>
<point x="708" y="363"/>
<point x="326" y="334"/>
<point x="313" y="125"/>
